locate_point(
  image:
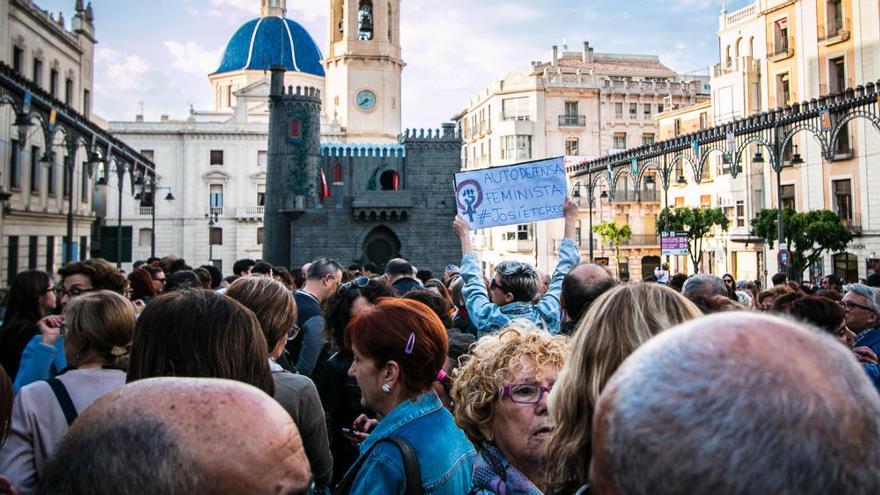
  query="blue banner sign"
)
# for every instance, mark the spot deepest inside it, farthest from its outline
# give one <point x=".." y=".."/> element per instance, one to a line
<point x="515" y="194"/>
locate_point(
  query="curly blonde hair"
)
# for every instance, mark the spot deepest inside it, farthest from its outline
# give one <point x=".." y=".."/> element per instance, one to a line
<point x="492" y="361"/>
<point x="615" y="326"/>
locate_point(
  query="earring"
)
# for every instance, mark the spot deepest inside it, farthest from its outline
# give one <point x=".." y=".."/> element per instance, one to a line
<point x="386" y="388"/>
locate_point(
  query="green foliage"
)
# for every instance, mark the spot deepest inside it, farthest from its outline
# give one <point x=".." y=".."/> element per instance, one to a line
<point x="613" y="235"/>
<point x="808" y="234"/>
<point x="697" y="222"/>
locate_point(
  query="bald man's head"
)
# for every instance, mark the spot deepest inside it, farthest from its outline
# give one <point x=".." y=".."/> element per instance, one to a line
<point x="583" y="285"/>
<point x="738" y="403"/>
<point x="181" y="435"/>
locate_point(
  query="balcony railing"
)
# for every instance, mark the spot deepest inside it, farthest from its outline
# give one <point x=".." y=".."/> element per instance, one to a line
<point x="835" y="32"/>
<point x="648" y="195"/>
<point x="145" y="210"/>
<point x="524" y="118"/>
<point x="249" y="212"/>
<point x="853" y="224"/>
<point x="642" y="240"/>
<point x="566" y="120"/>
<point x="216" y="210"/>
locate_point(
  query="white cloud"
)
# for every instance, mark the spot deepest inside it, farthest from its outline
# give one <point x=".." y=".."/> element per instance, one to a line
<point x="121" y="71"/>
<point x="191" y="57"/>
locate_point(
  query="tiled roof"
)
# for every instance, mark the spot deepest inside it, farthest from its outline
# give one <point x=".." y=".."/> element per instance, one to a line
<point x="612" y="65"/>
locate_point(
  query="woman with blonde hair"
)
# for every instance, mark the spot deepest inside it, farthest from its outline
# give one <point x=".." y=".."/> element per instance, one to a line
<point x="500" y="395"/>
<point x="97" y="330"/>
<point x="618" y="323"/>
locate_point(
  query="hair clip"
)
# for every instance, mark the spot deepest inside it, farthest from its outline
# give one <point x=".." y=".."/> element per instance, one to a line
<point x="410" y="343"/>
<point x="441" y="375"/>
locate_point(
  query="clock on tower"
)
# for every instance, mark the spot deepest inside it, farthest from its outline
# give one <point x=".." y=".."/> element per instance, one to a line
<point x="363" y="66"/>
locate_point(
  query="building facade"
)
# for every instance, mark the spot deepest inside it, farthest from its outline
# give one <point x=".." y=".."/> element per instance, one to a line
<point x="582" y="105"/>
<point x="56" y="55"/>
<point x="775" y="53"/>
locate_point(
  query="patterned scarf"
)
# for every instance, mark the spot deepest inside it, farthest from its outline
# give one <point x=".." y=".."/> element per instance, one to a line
<point x="493" y="474"/>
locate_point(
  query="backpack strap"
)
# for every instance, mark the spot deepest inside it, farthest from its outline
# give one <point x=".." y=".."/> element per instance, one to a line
<point x="64" y="400"/>
<point x="410" y="468"/>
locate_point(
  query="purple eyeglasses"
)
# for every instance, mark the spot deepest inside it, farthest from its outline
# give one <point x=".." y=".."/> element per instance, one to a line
<point x="525" y="393"/>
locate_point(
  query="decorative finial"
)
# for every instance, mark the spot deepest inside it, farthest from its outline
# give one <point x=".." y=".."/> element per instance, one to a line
<point x="79" y="6"/>
<point x="90" y="15"/>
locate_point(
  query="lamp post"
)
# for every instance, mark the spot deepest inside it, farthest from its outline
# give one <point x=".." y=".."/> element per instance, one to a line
<point x="590" y="203"/>
<point x="168" y="197"/>
<point x="213" y="219"/>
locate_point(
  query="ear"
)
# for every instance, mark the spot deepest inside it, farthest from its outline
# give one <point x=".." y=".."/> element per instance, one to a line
<point x="391" y="373"/>
<point x="279" y="348"/>
<point x="508" y="298"/>
<point x="486" y="431"/>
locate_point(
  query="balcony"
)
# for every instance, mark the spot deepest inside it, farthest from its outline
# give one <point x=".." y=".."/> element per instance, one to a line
<point x="249" y="212"/>
<point x="782" y="49"/>
<point x="649" y="240"/>
<point x="835" y="32"/>
<point x="215" y="210"/>
<point x="854" y="224"/>
<point x="145" y="210"/>
<point x="837" y="87"/>
<point x="508" y="118"/>
<point x="645" y="196"/>
<point x="572" y="120"/>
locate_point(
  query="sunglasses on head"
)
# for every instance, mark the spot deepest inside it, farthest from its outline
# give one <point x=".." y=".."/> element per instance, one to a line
<point x="358" y="283"/>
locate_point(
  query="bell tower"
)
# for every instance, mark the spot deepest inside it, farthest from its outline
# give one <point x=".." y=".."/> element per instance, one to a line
<point x="363" y="66"/>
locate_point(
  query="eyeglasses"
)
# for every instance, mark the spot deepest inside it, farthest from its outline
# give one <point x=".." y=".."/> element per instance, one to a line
<point x="160" y="280"/>
<point x="848" y="306"/>
<point x="493" y="284"/>
<point x="74" y="292"/>
<point x="46" y="291"/>
<point x="525" y="393"/>
<point x="292" y="333"/>
<point x="358" y="283"/>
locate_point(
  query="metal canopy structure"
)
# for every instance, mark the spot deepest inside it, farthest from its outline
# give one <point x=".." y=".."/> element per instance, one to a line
<point x="32" y="103"/>
<point x="773" y="131"/>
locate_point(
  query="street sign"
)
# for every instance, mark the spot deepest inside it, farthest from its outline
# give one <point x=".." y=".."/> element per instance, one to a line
<point x="674" y="243"/>
<point x="783" y="257"/>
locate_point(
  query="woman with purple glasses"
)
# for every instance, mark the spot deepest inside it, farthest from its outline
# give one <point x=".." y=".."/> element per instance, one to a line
<point x="500" y="394"/>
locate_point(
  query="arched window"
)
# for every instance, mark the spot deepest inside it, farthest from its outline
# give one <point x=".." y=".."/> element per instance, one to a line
<point x="365" y="20"/>
<point x="337" y="175"/>
<point x="389" y="180"/>
<point x="727" y="56"/>
<point x="739" y="48"/>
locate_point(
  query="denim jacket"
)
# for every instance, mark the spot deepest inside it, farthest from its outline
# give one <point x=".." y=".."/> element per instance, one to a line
<point x="446" y="457"/>
<point x="40" y="361"/>
<point x="488" y="317"/>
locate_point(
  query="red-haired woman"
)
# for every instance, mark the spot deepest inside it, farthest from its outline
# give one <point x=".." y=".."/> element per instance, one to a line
<point x="399" y="348"/>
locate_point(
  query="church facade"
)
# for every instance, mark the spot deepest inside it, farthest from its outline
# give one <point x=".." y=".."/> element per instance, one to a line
<point x="384" y="193"/>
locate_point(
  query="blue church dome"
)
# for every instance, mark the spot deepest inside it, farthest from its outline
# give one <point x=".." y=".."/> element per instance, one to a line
<point x="272" y="40"/>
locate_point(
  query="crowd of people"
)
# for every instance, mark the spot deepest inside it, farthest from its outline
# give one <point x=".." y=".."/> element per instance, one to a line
<point x="330" y="379"/>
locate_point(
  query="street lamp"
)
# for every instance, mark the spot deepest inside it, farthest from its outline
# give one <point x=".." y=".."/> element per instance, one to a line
<point x="168" y="197"/>
<point x="213" y="219"/>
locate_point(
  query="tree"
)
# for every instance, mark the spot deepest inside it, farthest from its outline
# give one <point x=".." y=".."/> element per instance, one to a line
<point x="808" y="235"/>
<point x="610" y="233"/>
<point x="697" y="222"/>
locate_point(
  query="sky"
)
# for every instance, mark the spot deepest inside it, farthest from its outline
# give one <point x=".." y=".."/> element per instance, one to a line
<point x="160" y="52"/>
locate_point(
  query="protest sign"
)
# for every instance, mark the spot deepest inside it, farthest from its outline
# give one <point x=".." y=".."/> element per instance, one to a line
<point x="514" y="194"/>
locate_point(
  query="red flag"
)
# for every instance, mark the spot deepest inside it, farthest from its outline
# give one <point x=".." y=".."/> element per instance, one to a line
<point x="395" y="181"/>
<point x="325" y="191"/>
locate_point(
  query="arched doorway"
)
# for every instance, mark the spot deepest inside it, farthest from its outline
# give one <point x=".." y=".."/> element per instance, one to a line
<point x="389" y="180"/>
<point x="648" y="265"/>
<point x="381" y="245"/>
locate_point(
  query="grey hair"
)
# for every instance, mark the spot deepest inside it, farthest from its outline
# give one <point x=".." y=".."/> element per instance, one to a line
<point x="121" y="458"/>
<point x="521" y="278"/>
<point x="322" y="267"/>
<point x="684" y="416"/>
<point x="704" y="285"/>
<point x="869" y="293"/>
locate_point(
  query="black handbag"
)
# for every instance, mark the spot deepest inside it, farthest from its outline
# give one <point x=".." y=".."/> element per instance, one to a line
<point x="410" y="468"/>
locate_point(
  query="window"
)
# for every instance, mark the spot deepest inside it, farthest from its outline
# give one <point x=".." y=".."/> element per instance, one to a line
<point x="11" y="256"/>
<point x="846" y="266"/>
<point x="18" y="61"/>
<point x="216" y="236"/>
<point x="84" y="185"/>
<point x="14" y="166"/>
<point x="515" y="108"/>
<point x="648" y="138"/>
<point x="149" y="155"/>
<point x="32" y="252"/>
<point x="337" y="174"/>
<point x="834" y="15"/>
<point x="261" y="194"/>
<point x="216" y="157"/>
<point x="571" y="146"/>
<point x="633" y="110"/>
<point x="516" y="147"/>
<point x="706" y="200"/>
<point x="87" y="102"/>
<point x="740" y="213"/>
<point x="843" y="199"/>
<point x="365" y="20"/>
<point x="51" y="168"/>
<point x="618" y="110"/>
<point x="647" y="110"/>
<point x="571" y="108"/>
<point x="524" y="232"/>
<point x="50" y="254"/>
<point x="783" y="89"/>
<point x="35" y="169"/>
<point x="677" y="127"/>
<point x="65" y="182"/>
<point x="836" y="75"/>
<point x="728" y="212"/>
<point x="780" y="36"/>
<point x="259" y="235"/>
<point x="38" y="72"/>
<point x="262" y="158"/>
<point x="788" y="196"/>
<point x="659" y="108"/>
<point x="389" y="180"/>
<point x="704" y="120"/>
<point x="145" y="237"/>
<point x="679" y="201"/>
<point x="68" y="91"/>
<point x="619" y="141"/>
<point x="216" y="196"/>
<point x="53" y="83"/>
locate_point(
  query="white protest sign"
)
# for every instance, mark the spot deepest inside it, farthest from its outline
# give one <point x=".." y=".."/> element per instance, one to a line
<point x="514" y="194"/>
